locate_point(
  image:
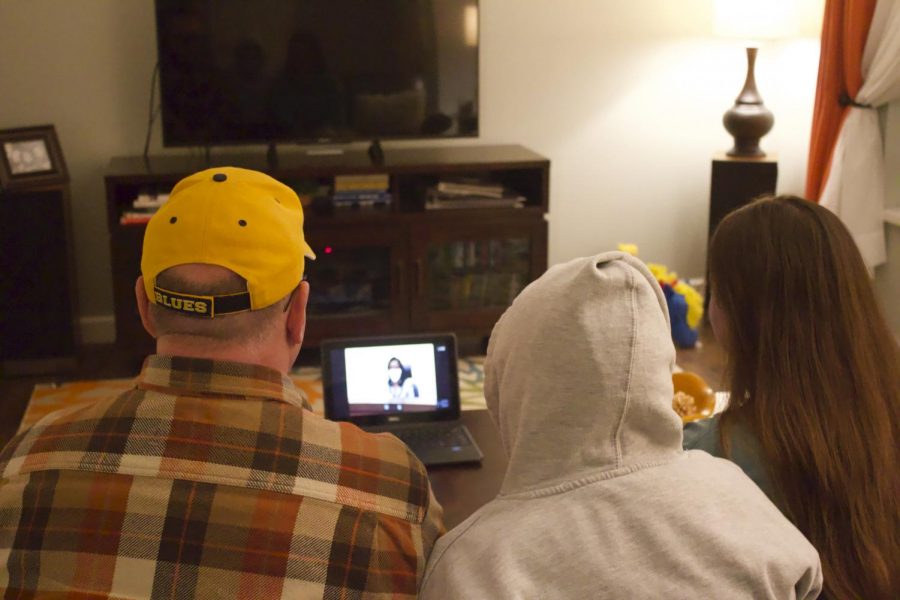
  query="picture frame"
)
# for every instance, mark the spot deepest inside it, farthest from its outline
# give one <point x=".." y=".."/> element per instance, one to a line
<point x="31" y="157"/>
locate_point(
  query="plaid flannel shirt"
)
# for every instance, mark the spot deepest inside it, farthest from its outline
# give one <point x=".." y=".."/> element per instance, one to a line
<point x="209" y="479"/>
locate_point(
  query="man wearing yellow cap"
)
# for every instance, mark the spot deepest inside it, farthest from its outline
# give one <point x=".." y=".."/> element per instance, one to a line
<point x="212" y="478"/>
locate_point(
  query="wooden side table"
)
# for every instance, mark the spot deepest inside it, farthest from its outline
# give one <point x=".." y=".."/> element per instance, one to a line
<point x="38" y="304"/>
<point x="735" y="182"/>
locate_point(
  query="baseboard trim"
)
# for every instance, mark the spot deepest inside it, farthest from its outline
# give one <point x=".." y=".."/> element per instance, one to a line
<point x="98" y="329"/>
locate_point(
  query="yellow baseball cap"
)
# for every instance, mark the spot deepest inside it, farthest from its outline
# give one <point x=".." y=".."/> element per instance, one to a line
<point x="239" y="219"/>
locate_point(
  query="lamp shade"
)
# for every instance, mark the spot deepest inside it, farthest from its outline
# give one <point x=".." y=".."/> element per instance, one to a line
<point x="756" y="19"/>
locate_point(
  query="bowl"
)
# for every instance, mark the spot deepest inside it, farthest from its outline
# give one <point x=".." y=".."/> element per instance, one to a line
<point x="695" y="386"/>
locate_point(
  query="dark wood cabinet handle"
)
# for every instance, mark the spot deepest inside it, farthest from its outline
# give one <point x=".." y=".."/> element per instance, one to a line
<point x="417" y="277"/>
<point x="399" y="284"/>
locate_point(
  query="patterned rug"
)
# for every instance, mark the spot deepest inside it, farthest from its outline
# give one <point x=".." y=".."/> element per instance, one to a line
<point x="48" y="397"/>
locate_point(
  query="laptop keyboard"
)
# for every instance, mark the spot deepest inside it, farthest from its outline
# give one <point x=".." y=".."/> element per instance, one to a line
<point x="431" y="436"/>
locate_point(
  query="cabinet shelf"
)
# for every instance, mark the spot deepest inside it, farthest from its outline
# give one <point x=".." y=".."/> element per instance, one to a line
<point x="395" y="269"/>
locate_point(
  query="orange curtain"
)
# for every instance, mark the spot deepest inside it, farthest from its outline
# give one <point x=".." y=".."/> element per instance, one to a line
<point x="845" y="29"/>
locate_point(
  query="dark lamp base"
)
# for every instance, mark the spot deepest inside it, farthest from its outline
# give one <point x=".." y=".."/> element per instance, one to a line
<point x="748" y="120"/>
<point x="747" y="123"/>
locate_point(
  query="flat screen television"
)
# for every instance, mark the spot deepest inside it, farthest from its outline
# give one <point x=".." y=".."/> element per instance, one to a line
<point x="307" y="71"/>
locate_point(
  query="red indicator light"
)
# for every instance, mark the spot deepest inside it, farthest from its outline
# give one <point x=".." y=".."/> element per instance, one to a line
<point x="328" y="250"/>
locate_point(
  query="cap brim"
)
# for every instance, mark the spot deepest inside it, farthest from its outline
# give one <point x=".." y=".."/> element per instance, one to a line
<point x="308" y="252"/>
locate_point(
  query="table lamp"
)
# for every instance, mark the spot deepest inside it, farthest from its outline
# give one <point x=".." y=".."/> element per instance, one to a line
<point x="752" y="20"/>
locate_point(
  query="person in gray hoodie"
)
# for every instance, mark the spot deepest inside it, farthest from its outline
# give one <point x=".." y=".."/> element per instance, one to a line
<point x="599" y="500"/>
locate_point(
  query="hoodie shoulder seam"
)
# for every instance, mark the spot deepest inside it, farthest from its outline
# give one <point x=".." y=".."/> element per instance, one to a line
<point x="617" y="441"/>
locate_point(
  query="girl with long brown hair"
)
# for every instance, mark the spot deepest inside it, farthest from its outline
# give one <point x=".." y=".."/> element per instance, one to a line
<point x="814" y="375"/>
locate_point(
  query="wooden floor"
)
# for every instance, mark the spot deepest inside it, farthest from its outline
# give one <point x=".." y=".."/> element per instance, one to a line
<point x="706" y="360"/>
<point x="105" y="362"/>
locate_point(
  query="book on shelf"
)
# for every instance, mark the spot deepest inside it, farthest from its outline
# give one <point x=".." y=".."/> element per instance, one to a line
<point x="375" y="182"/>
<point x="354" y="199"/>
<point x="469" y="187"/>
<point x="361" y="195"/>
<point x="362" y="204"/>
<point x="458" y="203"/>
<point x="145" y="200"/>
<point x="437" y="200"/>
<point x="135" y="217"/>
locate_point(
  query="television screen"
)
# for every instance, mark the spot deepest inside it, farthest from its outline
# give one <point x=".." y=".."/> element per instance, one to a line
<point x="242" y="71"/>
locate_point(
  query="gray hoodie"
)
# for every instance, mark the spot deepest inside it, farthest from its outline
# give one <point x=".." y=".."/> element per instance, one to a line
<point x="599" y="500"/>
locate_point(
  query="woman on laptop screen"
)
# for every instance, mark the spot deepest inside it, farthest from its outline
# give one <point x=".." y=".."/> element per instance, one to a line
<point x="401" y="387"/>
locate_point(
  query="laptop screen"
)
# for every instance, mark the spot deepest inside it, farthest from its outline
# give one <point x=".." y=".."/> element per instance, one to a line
<point x="388" y="379"/>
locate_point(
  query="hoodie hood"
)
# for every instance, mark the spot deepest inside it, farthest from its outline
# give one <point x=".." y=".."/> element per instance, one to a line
<point x="578" y="374"/>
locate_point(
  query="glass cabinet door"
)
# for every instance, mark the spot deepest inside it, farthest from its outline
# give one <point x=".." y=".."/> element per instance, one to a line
<point x="476" y="273"/>
<point x="466" y="273"/>
<point x="356" y="282"/>
<point x="349" y="281"/>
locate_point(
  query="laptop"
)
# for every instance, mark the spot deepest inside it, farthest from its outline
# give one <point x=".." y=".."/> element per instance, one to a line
<point x="405" y="385"/>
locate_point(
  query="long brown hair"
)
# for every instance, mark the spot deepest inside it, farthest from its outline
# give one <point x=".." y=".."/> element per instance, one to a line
<point x="814" y="373"/>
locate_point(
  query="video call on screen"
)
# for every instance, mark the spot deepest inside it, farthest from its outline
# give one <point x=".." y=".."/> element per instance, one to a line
<point x="401" y="378"/>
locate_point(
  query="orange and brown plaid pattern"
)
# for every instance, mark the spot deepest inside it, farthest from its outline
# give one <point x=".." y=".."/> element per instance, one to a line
<point x="209" y="479"/>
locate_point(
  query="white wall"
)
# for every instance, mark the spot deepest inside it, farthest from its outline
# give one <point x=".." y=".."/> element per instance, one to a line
<point x="625" y="98"/>
<point x="85" y="67"/>
<point x="887" y="276"/>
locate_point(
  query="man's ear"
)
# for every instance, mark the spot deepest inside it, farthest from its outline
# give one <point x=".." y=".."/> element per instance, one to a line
<point x="143" y="304"/>
<point x="296" y="317"/>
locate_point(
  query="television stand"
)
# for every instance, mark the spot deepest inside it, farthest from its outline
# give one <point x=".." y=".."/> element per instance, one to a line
<point x="394" y="268"/>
